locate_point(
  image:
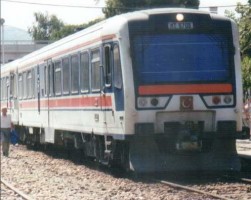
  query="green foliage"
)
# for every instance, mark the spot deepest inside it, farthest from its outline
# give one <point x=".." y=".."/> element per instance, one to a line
<point x="245" y="28"/>
<point x="115" y="7"/>
<point x="246" y="72"/>
<point x="70" y="29"/>
<point x="49" y="27"/>
<point x="45" y="26"/>
<point x="244" y="24"/>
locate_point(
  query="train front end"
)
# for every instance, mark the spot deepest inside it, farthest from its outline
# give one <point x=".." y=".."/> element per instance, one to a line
<point x="188" y="92"/>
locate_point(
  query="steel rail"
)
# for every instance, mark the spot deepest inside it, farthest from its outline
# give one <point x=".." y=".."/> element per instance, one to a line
<point x="20" y="193"/>
<point x="179" y="186"/>
<point x="245" y="180"/>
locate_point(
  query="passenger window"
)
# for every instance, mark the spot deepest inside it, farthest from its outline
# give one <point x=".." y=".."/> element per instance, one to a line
<point x="12" y="85"/>
<point x="84" y="72"/>
<point x="33" y="83"/>
<point x="29" y="83"/>
<point x="107" y="67"/>
<point x="7" y="88"/>
<point x="74" y="74"/>
<point x="95" y="70"/>
<point x="58" y="76"/>
<point x="45" y="81"/>
<point x="118" y="82"/>
<point x="66" y="75"/>
<point x="51" y="79"/>
<point x="20" y="86"/>
<point x="25" y="85"/>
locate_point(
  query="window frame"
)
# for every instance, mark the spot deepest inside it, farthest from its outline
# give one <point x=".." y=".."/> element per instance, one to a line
<point x="82" y="70"/>
<point x="63" y="76"/>
<point x="95" y="64"/>
<point x="118" y="83"/>
<point x="108" y="65"/>
<point x="72" y="84"/>
<point x="57" y="69"/>
<point x="20" y="86"/>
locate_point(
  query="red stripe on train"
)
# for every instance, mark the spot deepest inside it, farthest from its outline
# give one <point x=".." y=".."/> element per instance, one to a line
<point x="104" y="101"/>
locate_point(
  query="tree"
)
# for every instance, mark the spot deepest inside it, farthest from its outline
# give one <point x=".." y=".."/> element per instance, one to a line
<point x="70" y="29"/>
<point x="246" y="73"/>
<point x="245" y="28"/>
<point x="115" y="7"/>
<point x="244" y="24"/>
<point x="49" y="27"/>
<point x="45" y="26"/>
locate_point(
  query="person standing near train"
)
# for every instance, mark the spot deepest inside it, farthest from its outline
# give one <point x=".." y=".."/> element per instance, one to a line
<point x="6" y="126"/>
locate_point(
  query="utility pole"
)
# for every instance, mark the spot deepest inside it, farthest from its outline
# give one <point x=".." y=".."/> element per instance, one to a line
<point x="2" y="40"/>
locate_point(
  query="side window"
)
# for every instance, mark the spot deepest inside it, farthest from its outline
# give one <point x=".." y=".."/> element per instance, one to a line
<point x="107" y="67"/>
<point x="15" y="85"/>
<point x="74" y="74"/>
<point x="37" y="81"/>
<point x="58" y="78"/>
<point x="7" y="87"/>
<point x="51" y="79"/>
<point x="84" y="72"/>
<point x="117" y="68"/>
<point x="33" y="83"/>
<point x="45" y="81"/>
<point x="95" y="70"/>
<point x="25" y="85"/>
<point x="12" y="85"/>
<point x="20" y="86"/>
<point x="66" y="75"/>
<point x="29" y="83"/>
<point x="41" y="80"/>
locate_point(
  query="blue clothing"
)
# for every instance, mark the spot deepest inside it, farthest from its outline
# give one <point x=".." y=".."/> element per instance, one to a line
<point x="14" y="137"/>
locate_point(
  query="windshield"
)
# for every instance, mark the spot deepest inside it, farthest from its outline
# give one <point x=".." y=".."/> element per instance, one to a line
<point x="181" y="58"/>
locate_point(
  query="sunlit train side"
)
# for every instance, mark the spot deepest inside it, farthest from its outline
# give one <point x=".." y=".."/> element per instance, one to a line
<point x="151" y="90"/>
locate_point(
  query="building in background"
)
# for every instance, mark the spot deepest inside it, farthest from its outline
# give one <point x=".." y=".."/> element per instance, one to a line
<point x="16" y="43"/>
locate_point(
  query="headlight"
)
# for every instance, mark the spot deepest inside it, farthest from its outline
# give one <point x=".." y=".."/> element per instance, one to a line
<point x="142" y="102"/>
<point x="227" y="99"/>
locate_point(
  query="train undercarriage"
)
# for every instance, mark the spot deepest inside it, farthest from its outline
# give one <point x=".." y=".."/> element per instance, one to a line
<point x="146" y="152"/>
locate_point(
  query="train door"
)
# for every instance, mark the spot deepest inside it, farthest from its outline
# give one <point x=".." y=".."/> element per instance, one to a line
<point x="14" y="105"/>
<point x="107" y="87"/>
<point x="48" y="87"/>
<point x="113" y="85"/>
<point x="96" y="85"/>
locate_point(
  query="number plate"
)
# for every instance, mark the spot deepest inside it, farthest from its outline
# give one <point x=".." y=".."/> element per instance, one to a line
<point x="180" y="25"/>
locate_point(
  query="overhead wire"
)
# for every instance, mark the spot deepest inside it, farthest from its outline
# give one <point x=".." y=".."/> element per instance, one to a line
<point x="95" y="7"/>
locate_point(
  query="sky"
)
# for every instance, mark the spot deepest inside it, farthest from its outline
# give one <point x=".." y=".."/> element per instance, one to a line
<point x="21" y="15"/>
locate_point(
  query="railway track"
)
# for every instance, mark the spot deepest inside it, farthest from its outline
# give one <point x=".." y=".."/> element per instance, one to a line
<point x="21" y="195"/>
<point x="190" y="189"/>
<point x="199" y="184"/>
<point x="51" y="172"/>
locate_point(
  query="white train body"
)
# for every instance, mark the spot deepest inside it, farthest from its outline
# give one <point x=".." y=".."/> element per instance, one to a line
<point x="134" y="76"/>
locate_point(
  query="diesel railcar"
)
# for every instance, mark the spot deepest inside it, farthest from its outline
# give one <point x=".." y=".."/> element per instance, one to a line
<point x="151" y="90"/>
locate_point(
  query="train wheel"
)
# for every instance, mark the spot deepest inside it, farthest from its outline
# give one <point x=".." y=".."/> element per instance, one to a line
<point x="120" y="155"/>
<point x="124" y="156"/>
<point x="99" y="150"/>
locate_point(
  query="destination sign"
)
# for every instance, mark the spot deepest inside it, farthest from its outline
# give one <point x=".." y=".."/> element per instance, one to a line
<point x="180" y="25"/>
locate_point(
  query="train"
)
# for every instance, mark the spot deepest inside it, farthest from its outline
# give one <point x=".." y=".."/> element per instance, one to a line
<point x="150" y="90"/>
